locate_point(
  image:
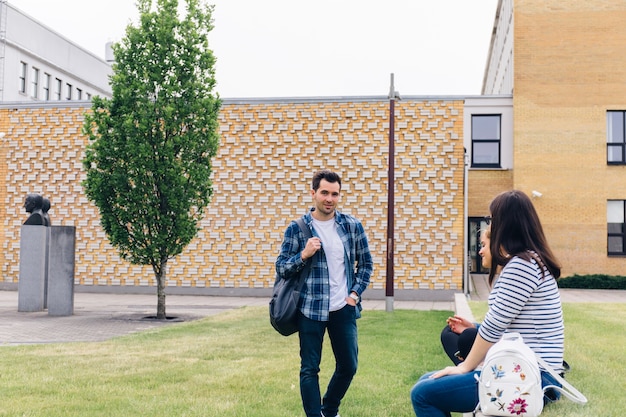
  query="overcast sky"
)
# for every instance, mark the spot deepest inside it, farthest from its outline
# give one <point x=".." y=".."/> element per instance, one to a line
<point x="300" y="48"/>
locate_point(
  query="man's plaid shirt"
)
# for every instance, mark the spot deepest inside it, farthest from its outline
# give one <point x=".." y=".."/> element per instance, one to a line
<point x="315" y="296"/>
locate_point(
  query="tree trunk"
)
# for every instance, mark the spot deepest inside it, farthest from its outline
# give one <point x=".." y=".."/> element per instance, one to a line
<point x="160" y="275"/>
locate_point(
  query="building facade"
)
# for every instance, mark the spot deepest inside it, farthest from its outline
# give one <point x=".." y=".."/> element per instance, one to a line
<point x="38" y="64"/>
<point x="268" y="152"/>
<point x="551" y="122"/>
<point x="565" y="67"/>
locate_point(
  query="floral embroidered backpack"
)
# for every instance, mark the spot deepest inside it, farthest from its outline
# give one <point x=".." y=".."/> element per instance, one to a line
<point x="510" y="381"/>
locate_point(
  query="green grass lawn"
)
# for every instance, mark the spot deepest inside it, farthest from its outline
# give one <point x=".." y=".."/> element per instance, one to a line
<point x="234" y="364"/>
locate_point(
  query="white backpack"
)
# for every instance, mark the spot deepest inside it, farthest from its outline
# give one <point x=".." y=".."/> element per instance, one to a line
<point x="510" y="381"/>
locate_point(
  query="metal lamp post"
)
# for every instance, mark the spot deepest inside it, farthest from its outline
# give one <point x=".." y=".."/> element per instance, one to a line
<point x="389" y="293"/>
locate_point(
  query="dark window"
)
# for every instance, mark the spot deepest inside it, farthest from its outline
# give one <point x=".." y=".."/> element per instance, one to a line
<point x="34" y="83"/>
<point x="615" y="214"/>
<point x="57" y="89"/>
<point x="486" y="141"/>
<point x="615" y="137"/>
<point x="476" y="227"/>
<point x="22" y="81"/>
<point x="68" y="92"/>
<point x="46" y="86"/>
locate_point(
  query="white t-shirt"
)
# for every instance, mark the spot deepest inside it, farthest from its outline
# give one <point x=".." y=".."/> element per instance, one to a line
<point x="334" y="251"/>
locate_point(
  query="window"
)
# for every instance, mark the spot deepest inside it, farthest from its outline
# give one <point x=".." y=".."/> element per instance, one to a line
<point x="34" y="83"/>
<point x="615" y="214"/>
<point x="22" y="81"/>
<point x="486" y="141"/>
<point x="79" y="94"/>
<point x="57" y="89"/>
<point x="615" y="137"/>
<point x="46" y="86"/>
<point x="88" y="96"/>
<point x="68" y="91"/>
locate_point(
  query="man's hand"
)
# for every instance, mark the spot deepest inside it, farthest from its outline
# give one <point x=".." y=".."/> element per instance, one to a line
<point x="351" y="301"/>
<point x="312" y="246"/>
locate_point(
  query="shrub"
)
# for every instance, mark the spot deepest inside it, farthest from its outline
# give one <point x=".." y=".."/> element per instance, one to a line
<point x="596" y="281"/>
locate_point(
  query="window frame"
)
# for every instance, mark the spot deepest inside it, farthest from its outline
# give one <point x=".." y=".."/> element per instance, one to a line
<point x="22" y="77"/>
<point x="46" y="86"/>
<point x="611" y="144"/>
<point x="34" y="82"/>
<point x="613" y="234"/>
<point x="58" y="84"/>
<point x="476" y="141"/>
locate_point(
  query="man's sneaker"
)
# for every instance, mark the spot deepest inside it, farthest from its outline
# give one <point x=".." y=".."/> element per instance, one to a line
<point x="335" y="416"/>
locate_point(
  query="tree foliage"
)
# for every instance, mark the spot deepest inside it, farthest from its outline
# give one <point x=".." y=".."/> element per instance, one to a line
<point x="148" y="162"/>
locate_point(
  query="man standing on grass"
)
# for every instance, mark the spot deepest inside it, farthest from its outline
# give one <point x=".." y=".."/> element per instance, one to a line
<point x="331" y="295"/>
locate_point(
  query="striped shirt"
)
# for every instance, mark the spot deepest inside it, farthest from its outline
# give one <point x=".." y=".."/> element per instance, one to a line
<point x="526" y="301"/>
<point x="315" y="295"/>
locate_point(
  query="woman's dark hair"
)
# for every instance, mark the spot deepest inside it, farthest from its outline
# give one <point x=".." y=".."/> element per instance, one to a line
<point x="325" y="174"/>
<point x="516" y="231"/>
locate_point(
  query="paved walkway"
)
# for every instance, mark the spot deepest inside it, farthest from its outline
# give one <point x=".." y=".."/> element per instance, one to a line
<point x="480" y="291"/>
<point x="99" y="317"/>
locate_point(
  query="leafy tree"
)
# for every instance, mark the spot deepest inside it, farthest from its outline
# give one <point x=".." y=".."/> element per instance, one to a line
<point x="148" y="160"/>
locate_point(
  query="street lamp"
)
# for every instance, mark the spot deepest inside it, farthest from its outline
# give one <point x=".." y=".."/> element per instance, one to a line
<point x="393" y="96"/>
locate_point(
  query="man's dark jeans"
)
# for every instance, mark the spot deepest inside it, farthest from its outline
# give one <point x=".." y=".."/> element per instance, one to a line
<point x="342" y="332"/>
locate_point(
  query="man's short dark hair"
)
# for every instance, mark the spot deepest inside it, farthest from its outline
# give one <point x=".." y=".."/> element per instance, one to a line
<point x="325" y="174"/>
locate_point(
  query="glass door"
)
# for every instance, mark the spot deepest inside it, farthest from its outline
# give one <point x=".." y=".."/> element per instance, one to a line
<point x="476" y="226"/>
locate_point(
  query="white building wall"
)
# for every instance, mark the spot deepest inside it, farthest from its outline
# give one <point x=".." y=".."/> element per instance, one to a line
<point x="502" y="105"/>
<point x="27" y="41"/>
<point x="498" y="78"/>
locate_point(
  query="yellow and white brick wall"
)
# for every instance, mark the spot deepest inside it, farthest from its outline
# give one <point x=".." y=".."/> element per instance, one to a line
<point x="268" y="153"/>
<point x="569" y="70"/>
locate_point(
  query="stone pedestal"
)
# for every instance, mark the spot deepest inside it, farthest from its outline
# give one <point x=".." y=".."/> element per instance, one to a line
<point x="33" y="261"/>
<point x="45" y="287"/>
<point x="61" y="262"/>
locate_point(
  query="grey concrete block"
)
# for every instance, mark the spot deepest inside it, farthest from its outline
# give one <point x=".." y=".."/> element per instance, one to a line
<point x="61" y="263"/>
<point x="32" y="277"/>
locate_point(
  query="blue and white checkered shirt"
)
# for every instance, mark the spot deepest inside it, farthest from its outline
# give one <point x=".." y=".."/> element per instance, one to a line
<point x="315" y="295"/>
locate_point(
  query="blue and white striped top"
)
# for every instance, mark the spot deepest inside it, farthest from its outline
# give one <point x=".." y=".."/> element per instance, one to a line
<point x="527" y="301"/>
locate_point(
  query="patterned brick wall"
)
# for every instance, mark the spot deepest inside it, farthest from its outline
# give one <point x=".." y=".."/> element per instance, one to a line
<point x="268" y="152"/>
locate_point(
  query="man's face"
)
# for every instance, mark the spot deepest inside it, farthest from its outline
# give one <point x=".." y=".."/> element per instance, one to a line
<point x="326" y="198"/>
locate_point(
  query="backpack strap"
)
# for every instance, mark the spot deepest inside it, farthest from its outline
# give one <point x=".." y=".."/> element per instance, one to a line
<point x="568" y="389"/>
<point x="306" y="231"/>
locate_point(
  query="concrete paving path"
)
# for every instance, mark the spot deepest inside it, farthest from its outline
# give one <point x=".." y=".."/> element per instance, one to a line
<point x="99" y="316"/>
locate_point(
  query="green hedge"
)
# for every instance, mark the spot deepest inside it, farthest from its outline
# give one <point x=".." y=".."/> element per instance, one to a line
<point x="597" y="282"/>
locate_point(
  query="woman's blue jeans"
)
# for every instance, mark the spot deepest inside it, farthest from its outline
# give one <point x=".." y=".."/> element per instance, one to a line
<point x="453" y="393"/>
<point x="342" y="332"/>
<point x="439" y="397"/>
